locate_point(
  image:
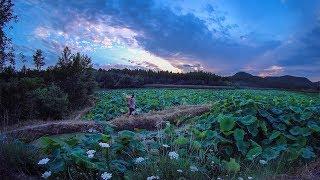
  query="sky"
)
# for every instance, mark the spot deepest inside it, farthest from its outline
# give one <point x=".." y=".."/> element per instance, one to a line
<point x="261" y="37"/>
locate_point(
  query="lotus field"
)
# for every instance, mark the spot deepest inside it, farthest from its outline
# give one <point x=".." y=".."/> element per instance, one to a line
<point x="248" y="134"/>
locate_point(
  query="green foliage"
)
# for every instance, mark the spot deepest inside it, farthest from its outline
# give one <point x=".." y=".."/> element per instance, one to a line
<point x="50" y="101"/>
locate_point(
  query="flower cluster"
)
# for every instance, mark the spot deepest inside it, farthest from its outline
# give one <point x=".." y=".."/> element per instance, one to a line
<point x="173" y="155"/>
<point x="106" y="176"/>
<point x="46" y="174"/>
<point x="43" y="161"/>
<point x="104" y="145"/>
<point x="90" y="153"/>
<point x="153" y="177"/>
<point x="139" y="160"/>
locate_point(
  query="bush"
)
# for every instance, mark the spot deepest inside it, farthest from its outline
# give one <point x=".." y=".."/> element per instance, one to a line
<point x="50" y="102"/>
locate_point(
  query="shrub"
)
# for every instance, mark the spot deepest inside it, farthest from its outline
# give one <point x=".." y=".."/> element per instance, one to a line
<point x="50" y="101"/>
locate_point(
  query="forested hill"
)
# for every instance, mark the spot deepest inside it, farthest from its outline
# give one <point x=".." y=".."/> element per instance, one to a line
<point x="116" y="78"/>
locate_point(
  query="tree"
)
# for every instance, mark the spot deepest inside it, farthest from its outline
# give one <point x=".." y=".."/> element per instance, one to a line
<point x="6" y="15"/>
<point x="38" y="59"/>
<point x="23" y="59"/>
<point x="66" y="57"/>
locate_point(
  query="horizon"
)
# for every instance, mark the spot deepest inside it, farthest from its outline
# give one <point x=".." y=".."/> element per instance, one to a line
<point x="221" y="37"/>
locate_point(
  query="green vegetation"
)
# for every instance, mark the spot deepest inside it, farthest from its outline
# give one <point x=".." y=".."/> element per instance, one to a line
<point x="247" y="133"/>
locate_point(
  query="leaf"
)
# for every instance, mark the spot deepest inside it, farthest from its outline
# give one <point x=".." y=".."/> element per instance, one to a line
<point x="253" y="129"/>
<point x="254" y="152"/>
<point x="297" y="110"/>
<point x="232" y="165"/>
<point x="226" y="123"/>
<point x="72" y="142"/>
<point x="276" y="111"/>
<point x="307" y="153"/>
<point x="238" y="134"/>
<point x="274" y="134"/>
<point x="196" y="145"/>
<point x="247" y="120"/>
<point x="181" y="140"/>
<point x="313" y="126"/>
<point x="296" y="130"/>
<point x="269" y="154"/>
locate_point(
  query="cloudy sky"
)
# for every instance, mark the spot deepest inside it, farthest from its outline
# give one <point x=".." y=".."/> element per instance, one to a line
<point x="262" y="37"/>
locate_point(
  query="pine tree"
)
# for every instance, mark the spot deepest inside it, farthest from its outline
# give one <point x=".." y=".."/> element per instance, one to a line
<point x="38" y="59"/>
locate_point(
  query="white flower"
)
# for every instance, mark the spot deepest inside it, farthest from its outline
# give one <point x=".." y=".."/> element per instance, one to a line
<point x="193" y="169"/>
<point x="165" y="145"/>
<point x="263" y="162"/>
<point x="90" y="156"/>
<point x="219" y="178"/>
<point x="91" y="130"/>
<point x="90" y="153"/>
<point x="179" y="170"/>
<point x="139" y="160"/>
<point x="104" y="145"/>
<point x="249" y="177"/>
<point x="153" y="177"/>
<point x="240" y="178"/>
<point x="173" y="155"/>
<point x="43" y="161"/>
<point x="46" y="174"/>
<point x="106" y="175"/>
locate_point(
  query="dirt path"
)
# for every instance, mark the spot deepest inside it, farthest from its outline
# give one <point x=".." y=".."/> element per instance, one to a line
<point x="150" y="121"/>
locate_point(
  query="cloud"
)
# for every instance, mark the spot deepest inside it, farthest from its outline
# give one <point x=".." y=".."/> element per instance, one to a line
<point x="149" y="26"/>
<point x="272" y="71"/>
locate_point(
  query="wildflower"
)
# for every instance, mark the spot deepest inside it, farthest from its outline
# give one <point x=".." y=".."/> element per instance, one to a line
<point x="104" y="145"/>
<point x="90" y="153"/>
<point x="46" y="174"/>
<point x="106" y="176"/>
<point x="153" y="177"/>
<point x="165" y="145"/>
<point x="263" y="162"/>
<point x="139" y="160"/>
<point x="249" y="177"/>
<point x="173" y="155"/>
<point x="43" y="161"/>
<point x="219" y="178"/>
<point x="193" y="169"/>
<point x="240" y="178"/>
<point x="179" y="170"/>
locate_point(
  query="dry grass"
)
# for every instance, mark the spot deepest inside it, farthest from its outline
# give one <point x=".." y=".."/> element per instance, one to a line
<point x="150" y="121"/>
<point x="155" y="120"/>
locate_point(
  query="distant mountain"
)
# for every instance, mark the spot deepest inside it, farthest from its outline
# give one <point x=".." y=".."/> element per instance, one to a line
<point x="242" y="75"/>
<point x="285" y="82"/>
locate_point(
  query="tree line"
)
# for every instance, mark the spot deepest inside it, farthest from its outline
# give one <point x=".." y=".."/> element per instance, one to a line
<point x="126" y="78"/>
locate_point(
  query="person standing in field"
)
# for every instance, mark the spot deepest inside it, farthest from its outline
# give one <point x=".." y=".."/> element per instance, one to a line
<point x="131" y="102"/>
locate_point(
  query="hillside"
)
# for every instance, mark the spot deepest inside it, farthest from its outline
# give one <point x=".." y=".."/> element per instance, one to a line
<point x="283" y="82"/>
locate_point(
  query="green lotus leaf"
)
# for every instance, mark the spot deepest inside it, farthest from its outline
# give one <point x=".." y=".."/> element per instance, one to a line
<point x="254" y="152"/>
<point x="232" y="165"/>
<point x="227" y="123"/>
<point x="196" y="145"/>
<point x="181" y="140"/>
<point x="296" y="130"/>
<point x="238" y="134"/>
<point x="297" y="110"/>
<point x="242" y="147"/>
<point x="307" y="153"/>
<point x="253" y="129"/>
<point x="270" y="153"/>
<point x="276" y="111"/>
<point x="247" y="120"/>
<point x="314" y="126"/>
<point x="274" y="134"/>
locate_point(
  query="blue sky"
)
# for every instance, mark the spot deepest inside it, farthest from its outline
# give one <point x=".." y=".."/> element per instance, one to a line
<point x="262" y="37"/>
